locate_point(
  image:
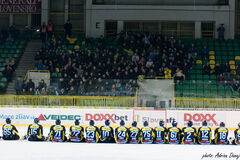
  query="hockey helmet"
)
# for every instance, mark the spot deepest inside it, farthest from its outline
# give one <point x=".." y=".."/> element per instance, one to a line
<point x="8" y="120"/>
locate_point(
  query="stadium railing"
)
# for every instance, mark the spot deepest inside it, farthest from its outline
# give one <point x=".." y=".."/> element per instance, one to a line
<point x="99" y="101"/>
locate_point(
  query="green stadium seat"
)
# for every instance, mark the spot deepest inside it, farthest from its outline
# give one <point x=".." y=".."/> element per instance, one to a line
<point x="3" y="79"/>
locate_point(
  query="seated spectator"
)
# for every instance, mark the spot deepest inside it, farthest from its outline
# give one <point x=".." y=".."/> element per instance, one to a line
<point x="227" y="69"/>
<point x="30" y="84"/>
<point x="11" y="62"/>
<point x="221" y="80"/>
<point x="229" y="79"/>
<point x="43" y="91"/>
<point x="205" y="52"/>
<point x="37" y="92"/>
<point x="62" y="92"/>
<point x="30" y="91"/>
<point x="72" y="91"/>
<point x="42" y="85"/>
<point x="179" y="75"/>
<point x="193" y="50"/>
<point x="235" y="85"/>
<point x="8" y="72"/>
<point x="206" y="69"/>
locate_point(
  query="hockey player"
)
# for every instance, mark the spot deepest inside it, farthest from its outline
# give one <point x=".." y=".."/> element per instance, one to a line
<point x="9" y="131"/>
<point x="134" y="133"/>
<point x="221" y="135"/>
<point x="92" y="133"/>
<point x="76" y="133"/>
<point x="57" y="132"/>
<point x="121" y="133"/>
<point x="204" y="134"/>
<point x="160" y="133"/>
<point x="35" y="131"/>
<point x="147" y="134"/>
<point x="237" y="136"/>
<point x="106" y="133"/>
<point x="174" y="134"/>
<point x="189" y="134"/>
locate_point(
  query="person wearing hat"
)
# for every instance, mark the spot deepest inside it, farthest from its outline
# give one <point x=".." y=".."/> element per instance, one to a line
<point x="236" y="141"/>
<point x="92" y="133"/>
<point x="189" y="134"/>
<point x="121" y="133"/>
<point x="35" y="131"/>
<point x="57" y="132"/>
<point x="174" y="134"/>
<point x="9" y="131"/>
<point x="204" y="134"/>
<point x="147" y="134"/>
<point x="76" y="132"/>
<point x="160" y="133"/>
<point x="134" y="133"/>
<point x="106" y="133"/>
<point x="221" y="135"/>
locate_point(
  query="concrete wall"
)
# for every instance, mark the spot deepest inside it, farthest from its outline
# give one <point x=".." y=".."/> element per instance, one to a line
<point x="98" y="14"/>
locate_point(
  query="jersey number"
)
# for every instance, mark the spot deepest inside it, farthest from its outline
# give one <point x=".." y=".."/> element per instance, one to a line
<point x="75" y="133"/>
<point x="90" y="134"/>
<point x="121" y="134"/>
<point x="6" y="132"/>
<point x="33" y="131"/>
<point x="223" y="135"/>
<point x="173" y="135"/>
<point x="105" y="133"/>
<point x="57" y="133"/>
<point x="146" y="134"/>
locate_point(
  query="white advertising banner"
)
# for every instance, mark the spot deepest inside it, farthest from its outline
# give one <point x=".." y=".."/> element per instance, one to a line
<point x="67" y="116"/>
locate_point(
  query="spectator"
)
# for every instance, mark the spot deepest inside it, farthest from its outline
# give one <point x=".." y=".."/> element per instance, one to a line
<point x="72" y="91"/>
<point x="43" y="32"/>
<point x="218" y="69"/>
<point x="50" y="29"/>
<point x="30" y="84"/>
<point x="9" y="40"/>
<point x="228" y="80"/>
<point x="179" y="76"/>
<point x="193" y="51"/>
<point x="221" y="80"/>
<point x="206" y="69"/>
<point x="8" y="73"/>
<point x="37" y="92"/>
<point x="43" y="91"/>
<point x="62" y="92"/>
<point x="205" y="52"/>
<point x="18" y="85"/>
<point x="42" y="85"/>
<point x="68" y="29"/>
<point x="221" y="31"/>
<point x="31" y="91"/>
<point x="235" y="85"/>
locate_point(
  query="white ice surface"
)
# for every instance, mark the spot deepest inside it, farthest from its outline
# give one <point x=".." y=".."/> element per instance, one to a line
<point x="24" y="150"/>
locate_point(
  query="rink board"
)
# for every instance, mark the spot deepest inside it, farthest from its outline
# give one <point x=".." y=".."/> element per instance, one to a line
<point x="23" y="116"/>
<point x="23" y="150"/>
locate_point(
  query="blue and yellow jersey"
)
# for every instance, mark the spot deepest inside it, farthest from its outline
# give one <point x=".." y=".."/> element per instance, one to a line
<point x="35" y="130"/>
<point x="121" y="135"/>
<point x="237" y="136"/>
<point x="134" y="135"/>
<point x="76" y="133"/>
<point x="92" y="134"/>
<point x="106" y="133"/>
<point x="204" y="135"/>
<point x="189" y="135"/>
<point x="147" y="135"/>
<point x="221" y="135"/>
<point x="174" y="135"/>
<point x="9" y="130"/>
<point x="160" y="135"/>
<point x="57" y="133"/>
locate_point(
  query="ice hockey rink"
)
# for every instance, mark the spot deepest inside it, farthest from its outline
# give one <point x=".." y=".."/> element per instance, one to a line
<point x="24" y="150"/>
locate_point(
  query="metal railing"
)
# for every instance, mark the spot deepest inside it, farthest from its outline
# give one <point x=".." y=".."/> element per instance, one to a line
<point x="100" y="101"/>
<point x="205" y="103"/>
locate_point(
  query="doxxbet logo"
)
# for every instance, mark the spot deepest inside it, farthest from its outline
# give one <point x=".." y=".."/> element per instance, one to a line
<point x="103" y="117"/>
<point x="199" y="117"/>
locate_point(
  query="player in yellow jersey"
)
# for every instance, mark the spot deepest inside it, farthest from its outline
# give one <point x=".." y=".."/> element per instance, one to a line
<point x="76" y="132"/>
<point x="221" y="135"/>
<point x="204" y="134"/>
<point x="174" y="134"/>
<point x="57" y="132"/>
<point x="160" y="133"/>
<point x="9" y="131"/>
<point x="237" y="136"/>
<point x="147" y="134"/>
<point x="92" y="133"/>
<point x="189" y="134"/>
<point x="35" y="131"/>
<point x="106" y="133"/>
<point x="121" y="133"/>
<point x="134" y="133"/>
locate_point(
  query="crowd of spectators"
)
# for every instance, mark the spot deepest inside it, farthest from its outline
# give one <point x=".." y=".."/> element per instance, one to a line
<point x="114" y="69"/>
